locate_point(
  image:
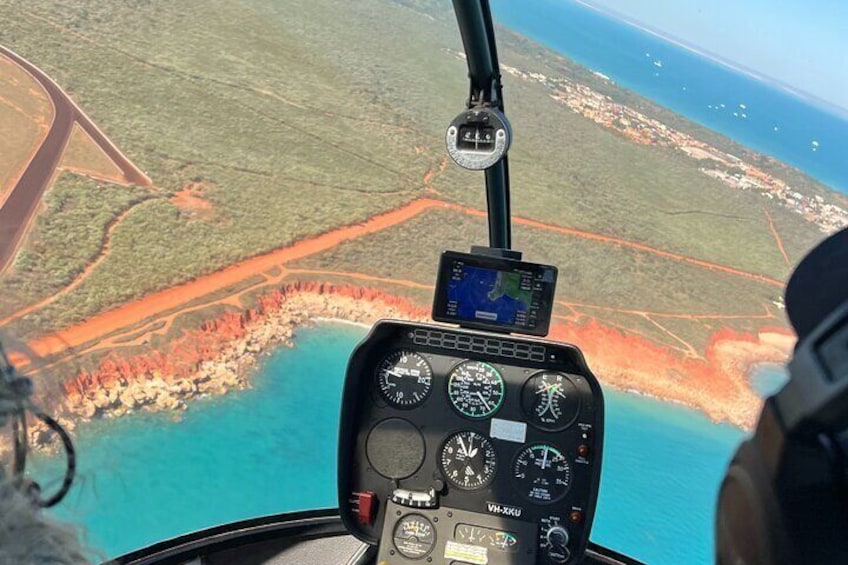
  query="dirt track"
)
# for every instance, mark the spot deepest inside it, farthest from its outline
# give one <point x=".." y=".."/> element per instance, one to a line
<point x="139" y="310"/>
<point x="170" y="299"/>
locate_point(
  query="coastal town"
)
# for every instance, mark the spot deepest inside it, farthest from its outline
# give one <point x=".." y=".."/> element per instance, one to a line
<point x="724" y="167"/>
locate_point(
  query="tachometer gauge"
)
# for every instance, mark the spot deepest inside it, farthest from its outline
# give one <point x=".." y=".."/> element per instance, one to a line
<point x="476" y="389"/>
<point x="404" y="379"/>
<point x="542" y="473"/>
<point x="414" y="536"/>
<point x="550" y="401"/>
<point x="468" y="460"/>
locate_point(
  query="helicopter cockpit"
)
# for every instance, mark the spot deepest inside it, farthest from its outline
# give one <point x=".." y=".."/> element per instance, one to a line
<point x="473" y="440"/>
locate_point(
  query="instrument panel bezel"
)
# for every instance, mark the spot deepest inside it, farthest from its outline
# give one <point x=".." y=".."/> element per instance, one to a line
<point x="361" y="411"/>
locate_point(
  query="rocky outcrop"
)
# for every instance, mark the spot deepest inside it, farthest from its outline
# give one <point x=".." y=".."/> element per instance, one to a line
<point x="715" y="383"/>
<point x="216" y="357"/>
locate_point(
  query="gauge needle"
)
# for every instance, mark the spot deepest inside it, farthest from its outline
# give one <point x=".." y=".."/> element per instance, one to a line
<point x="471" y="451"/>
<point x="486" y="404"/>
<point x="462" y="445"/>
<point x="545" y="459"/>
<point x="549" y="405"/>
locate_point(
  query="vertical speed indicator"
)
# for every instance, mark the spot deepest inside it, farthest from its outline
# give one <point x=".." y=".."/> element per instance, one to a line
<point x="404" y="379"/>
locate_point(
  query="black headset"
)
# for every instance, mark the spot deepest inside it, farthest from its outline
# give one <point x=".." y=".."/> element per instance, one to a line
<point x="15" y="402"/>
<point x="784" y="499"/>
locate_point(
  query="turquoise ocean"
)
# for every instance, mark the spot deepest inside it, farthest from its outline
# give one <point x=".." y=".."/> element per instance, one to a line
<point x="272" y="448"/>
<point x="761" y="115"/>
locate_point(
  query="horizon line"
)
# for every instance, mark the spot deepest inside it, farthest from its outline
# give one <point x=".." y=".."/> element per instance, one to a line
<point x="808" y="97"/>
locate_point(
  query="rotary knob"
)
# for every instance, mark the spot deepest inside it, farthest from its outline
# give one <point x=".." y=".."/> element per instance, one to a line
<point x="557" y="547"/>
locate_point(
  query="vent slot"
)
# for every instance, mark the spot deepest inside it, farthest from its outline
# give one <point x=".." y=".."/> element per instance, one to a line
<point x="479" y="344"/>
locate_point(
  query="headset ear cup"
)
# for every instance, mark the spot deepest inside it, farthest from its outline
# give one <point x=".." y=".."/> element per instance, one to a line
<point x="749" y="528"/>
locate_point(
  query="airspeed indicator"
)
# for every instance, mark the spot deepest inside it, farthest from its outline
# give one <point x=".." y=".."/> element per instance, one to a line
<point x="476" y="389"/>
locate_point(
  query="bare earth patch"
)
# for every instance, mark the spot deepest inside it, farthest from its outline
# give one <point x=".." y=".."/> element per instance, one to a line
<point x="191" y="201"/>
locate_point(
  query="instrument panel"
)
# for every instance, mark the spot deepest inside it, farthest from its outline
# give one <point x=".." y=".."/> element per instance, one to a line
<point x="460" y="446"/>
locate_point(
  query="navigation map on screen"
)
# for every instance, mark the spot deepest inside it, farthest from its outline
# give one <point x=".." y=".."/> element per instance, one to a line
<point x="493" y="296"/>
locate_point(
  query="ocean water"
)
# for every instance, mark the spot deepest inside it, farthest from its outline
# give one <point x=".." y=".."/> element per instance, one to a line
<point x="271" y="449"/>
<point x="758" y="114"/>
<point x="767" y="379"/>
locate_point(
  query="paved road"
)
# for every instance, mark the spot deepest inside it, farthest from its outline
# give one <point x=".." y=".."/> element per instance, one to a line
<point x="23" y="200"/>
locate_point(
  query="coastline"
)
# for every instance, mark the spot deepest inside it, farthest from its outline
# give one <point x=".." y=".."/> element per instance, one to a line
<point x="222" y="355"/>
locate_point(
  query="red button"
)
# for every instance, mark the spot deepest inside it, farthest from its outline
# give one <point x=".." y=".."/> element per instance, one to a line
<point x="583" y="450"/>
<point x="367" y="507"/>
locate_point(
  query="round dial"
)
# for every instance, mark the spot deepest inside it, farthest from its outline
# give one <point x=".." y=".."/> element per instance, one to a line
<point x="404" y="379"/>
<point x="476" y="389"/>
<point x="414" y="536"/>
<point x="550" y="400"/>
<point x="468" y="460"/>
<point x="542" y="473"/>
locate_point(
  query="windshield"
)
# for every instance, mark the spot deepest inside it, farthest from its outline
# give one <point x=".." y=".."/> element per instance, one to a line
<point x="205" y="204"/>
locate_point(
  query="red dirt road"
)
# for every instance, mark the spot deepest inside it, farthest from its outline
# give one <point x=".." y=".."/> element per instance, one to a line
<point x="637" y="246"/>
<point x="138" y="310"/>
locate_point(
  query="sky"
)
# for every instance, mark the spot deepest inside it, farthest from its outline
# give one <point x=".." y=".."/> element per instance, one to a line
<point x="802" y="43"/>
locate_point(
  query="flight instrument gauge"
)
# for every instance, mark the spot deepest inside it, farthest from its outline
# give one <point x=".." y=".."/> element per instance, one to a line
<point x="542" y="473"/>
<point x="468" y="460"/>
<point x="476" y="389"/>
<point x="414" y="536"/>
<point x="550" y="401"/>
<point x="404" y="379"/>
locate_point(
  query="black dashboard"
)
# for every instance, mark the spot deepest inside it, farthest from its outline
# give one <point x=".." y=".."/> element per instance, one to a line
<point x="467" y="447"/>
